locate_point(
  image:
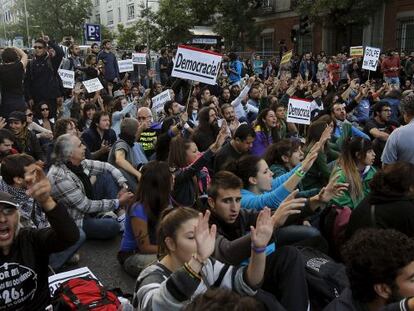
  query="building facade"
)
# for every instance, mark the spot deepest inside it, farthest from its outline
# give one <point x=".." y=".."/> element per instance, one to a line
<point x="390" y="27"/>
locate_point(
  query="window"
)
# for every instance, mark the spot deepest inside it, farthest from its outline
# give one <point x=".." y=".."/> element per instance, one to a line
<point x="131" y="11"/>
<point x="119" y="14"/>
<point x="405" y="34"/>
<point x="267" y="42"/>
<point x="110" y="17"/>
<point x="98" y="18"/>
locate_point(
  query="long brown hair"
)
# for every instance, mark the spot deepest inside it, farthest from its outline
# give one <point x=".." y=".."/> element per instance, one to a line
<point x="177" y="156"/>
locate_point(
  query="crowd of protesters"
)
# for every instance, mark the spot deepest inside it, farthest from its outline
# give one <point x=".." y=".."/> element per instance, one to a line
<point x="218" y="198"/>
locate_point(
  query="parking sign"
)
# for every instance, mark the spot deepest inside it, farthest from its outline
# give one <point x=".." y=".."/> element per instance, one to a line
<point x="93" y="32"/>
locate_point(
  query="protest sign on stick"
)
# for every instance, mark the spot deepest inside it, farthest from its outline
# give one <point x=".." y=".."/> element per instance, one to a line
<point x="299" y="111"/>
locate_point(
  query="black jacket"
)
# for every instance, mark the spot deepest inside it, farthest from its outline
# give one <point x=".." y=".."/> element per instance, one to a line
<point x="30" y="145"/>
<point x="24" y="285"/>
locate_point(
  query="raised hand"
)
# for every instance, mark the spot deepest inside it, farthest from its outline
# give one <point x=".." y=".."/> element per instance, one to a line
<point x="289" y="206"/>
<point x="264" y="229"/>
<point x="332" y="190"/>
<point x="3" y="122"/>
<point x="311" y="157"/>
<point x="205" y="236"/>
<point x="38" y="186"/>
<point x="326" y="134"/>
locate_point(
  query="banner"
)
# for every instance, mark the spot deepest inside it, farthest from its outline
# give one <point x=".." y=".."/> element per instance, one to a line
<point x="356" y="51"/>
<point x="299" y="111"/>
<point x="125" y="65"/>
<point x="57" y="279"/>
<point x="139" y="58"/>
<point x="196" y="64"/>
<point x="158" y="103"/>
<point x="68" y="78"/>
<point x="93" y="85"/>
<point x="286" y="57"/>
<point x="371" y="57"/>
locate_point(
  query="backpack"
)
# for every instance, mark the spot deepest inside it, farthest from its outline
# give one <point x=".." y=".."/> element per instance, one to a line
<point x="84" y="294"/>
<point x="326" y="278"/>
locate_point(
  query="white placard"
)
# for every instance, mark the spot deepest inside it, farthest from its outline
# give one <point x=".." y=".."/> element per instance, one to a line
<point x="125" y="65"/>
<point x="57" y="279"/>
<point x="158" y="103"/>
<point x="371" y="57"/>
<point x="93" y="85"/>
<point x="299" y="111"/>
<point x="68" y="78"/>
<point x="196" y="64"/>
<point x="139" y="58"/>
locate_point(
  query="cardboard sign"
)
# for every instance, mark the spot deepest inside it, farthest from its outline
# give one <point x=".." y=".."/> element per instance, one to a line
<point x="125" y="65"/>
<point x="299" y="111"/>
<point x="68" y="78"/>
<point x="139" y="58"/>
<point x="371" y="57"/>
<point x="356" y="51"/>
<point x="57" y="279"/>
<point x="196" y="64"/>
<point x="158" y="103"/>
<point x="286" y="57"/>
<point x="93" y="85"/>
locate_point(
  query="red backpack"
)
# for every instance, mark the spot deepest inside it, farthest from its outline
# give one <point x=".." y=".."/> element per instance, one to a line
<point x="84" y="294"/>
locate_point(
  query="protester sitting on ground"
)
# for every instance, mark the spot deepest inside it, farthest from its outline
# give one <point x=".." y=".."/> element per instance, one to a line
<point x="380" y="267"/>
<point x="389" y="205"/>
<point x="24" y="252"/>
<point x="99" y="137"/>
<point x="189" y="168"/>
<point x="148" y="131"/>
<point x="88" y="110"/>
<point x="207" y="130"/>
<point x="240" y="144"/>
<point x="266" y="132"/>
<point x="139" y="243"/>
<point x="71" y="186"/>
<point x="122" y="155"/>
<point x="25" y="140"/>
<point x="6" y="143"/>
<point x="121" y="110"/>
<point x="354" y="167"/>
<point x="40" y="131"/>
<point x="186" y="270"/>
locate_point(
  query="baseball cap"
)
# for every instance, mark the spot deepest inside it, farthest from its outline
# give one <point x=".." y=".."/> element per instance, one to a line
<point x="119" y="93"/>
<point x="6" y="198"/>
<point x="18" y="116"/>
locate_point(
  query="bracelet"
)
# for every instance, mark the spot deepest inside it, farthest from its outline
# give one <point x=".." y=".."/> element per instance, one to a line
<point x="191" y="272"/>
<point x="300" y="172"/>
<point x="258" y="250"/>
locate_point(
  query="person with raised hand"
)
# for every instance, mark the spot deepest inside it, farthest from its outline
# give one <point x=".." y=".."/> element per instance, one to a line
<point x="186" y="269"/>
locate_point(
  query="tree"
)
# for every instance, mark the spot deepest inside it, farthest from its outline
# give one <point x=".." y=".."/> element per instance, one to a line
<point x="338" y="13"/>
<point x="127" y="37"/>
<point x="148" y="29"/>
<point x="56" y="18"/>
<point x="106" y="33"/>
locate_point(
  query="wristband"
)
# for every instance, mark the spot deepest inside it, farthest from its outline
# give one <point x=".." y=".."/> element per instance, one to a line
<point x="191" y="272"/>
<point x="300" y="172"/>
<point x="258" y="250"/>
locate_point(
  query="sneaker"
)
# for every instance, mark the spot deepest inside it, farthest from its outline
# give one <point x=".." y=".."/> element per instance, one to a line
<point x="74" y="260"/>
<point x="121" y="221"/>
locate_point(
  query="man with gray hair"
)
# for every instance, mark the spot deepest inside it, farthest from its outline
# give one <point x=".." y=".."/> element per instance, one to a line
<point x="147" y="131"/>
<point x="71" y="186"/>
<point x="400" y="144"/>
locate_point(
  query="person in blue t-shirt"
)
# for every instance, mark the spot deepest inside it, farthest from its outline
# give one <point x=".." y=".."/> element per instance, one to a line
<point x="139" y="245"/>
<point x="235" y="69"/>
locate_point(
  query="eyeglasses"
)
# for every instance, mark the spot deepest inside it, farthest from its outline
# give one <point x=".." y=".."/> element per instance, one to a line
<point x="29" y="115"/>
<point x="44" y="109"/>
<point x="37" y="47"/>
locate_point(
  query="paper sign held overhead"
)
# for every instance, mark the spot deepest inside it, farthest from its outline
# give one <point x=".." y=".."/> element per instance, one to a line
<point x="68" y="78"/>
<point x="139" y="58"/>
<point x="125" y="65"/>
<point x="299" y="111"/>
<point x="196" y="64"/>
<point x="158" y="103"/>
<point x="371" y="57"/>
<point x="356" y="51"/>
<point x="93" y="85"/>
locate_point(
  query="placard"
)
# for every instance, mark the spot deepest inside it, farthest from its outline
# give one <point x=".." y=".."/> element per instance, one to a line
<point x="93" y="85"/>
<point x="371" y="57"/>
<point x="67" y="77"/>
<point x="356" y="51"/>
<point x="286" y="57"/>
<point x="196" y="64"/>
<point x="158" y="103"/>
<point x="139" y="58"/>
<point x="57" y="279"/>
<point x="299" y="111"/>
<point x="125" y="65"/>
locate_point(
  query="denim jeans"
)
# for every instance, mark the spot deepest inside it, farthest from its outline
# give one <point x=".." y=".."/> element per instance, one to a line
<point x="294" y="233"/>
<point x="105" y="187"/>
<point x="393" y="80"/>
<point x="100" y="228"/>
<point x="57" y="260"/>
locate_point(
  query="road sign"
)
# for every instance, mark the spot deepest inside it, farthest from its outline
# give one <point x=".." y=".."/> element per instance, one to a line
<point x="92" y="32"/>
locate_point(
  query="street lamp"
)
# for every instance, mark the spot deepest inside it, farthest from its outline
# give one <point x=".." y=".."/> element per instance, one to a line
<point x="27" y="24"/>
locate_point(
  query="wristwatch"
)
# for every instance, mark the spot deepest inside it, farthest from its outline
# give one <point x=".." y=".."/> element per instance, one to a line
<point x="125" y="186"/>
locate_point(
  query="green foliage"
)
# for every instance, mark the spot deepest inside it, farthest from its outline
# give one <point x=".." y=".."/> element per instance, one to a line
<point x="56" y="18"/>
<point x="339" y="13"/>
<point x="106" y="33"/>
<point x="148" y="29"/>
<point x="127" y="37"/>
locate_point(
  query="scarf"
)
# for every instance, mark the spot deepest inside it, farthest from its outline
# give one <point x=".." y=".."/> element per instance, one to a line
<point x="79" y="172"/>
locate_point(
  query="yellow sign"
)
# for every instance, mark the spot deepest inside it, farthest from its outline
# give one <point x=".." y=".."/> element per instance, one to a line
<point x="356" y="51"/>
<point x="286" y="57"/>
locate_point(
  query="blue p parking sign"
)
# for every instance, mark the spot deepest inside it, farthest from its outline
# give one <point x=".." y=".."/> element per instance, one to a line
<point x="92" y="32"/>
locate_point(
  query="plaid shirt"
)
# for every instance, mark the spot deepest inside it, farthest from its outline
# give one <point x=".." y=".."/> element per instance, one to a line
<point x="68" y="190"/>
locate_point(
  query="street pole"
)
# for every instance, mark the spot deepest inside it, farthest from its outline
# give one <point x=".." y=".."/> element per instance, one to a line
<point x="148" y="40"/>
<point x="27" y="24"/>
<point x="4" y="21"/>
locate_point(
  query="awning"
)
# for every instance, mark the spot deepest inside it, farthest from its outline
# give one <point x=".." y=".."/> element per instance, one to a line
<point x="267" y="30"/>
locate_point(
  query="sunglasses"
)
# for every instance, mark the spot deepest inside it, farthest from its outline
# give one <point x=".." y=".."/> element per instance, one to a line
<point x="44" y="109"/>
<point x="38" y="47"/>
<point x="29" y="115"/>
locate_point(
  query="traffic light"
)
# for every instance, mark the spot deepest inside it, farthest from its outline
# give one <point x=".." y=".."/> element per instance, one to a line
<point x="294" y="35"/>
<point x="304" y="25"/>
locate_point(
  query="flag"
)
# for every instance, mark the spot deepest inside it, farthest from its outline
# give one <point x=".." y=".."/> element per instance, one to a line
<point x="286" y="57"/>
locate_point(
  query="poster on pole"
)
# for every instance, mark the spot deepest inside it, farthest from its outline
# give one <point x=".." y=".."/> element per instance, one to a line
<point x="299" y="110"/>
<point x="57" y="279"/>
<point x="158" y="103"/>
<point x="93" y="85"/>
<point x="139" y="58"/>
<point x="125" y="65"/>
<point x="356" y="51"/>
<point x="68" y="78"/>
<point x="371" y="57"/>
<point x="196" y="64"/>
